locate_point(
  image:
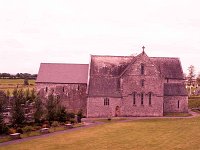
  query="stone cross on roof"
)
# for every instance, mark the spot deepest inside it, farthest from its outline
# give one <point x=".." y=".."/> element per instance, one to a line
<point x="143" y="49"/>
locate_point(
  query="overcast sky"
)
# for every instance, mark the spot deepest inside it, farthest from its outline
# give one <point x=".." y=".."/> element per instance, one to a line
<point x="68" y="31"/>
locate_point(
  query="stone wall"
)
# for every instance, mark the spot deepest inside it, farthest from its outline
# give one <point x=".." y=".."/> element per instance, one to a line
<point x="139" y="110"/>
<point x="96" y="107"/>
<point x="73" y="96"/>
<point x="131" y="82"/>
<point x="171" y="104"/>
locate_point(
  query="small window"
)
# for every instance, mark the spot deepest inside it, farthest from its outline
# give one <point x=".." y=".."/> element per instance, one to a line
<point x="142" y="83"/>
<point x="134" y="98"/>
<point x="178" y="104"/>
<point x="46" y="89"/>
<point x="63" y="89"/>
<point x="142" y="98"/>
<point x="78" y="88"/>
<point x="142" y="69"/>
<point x="106" y="101"/>
<point x="150" y="96"/>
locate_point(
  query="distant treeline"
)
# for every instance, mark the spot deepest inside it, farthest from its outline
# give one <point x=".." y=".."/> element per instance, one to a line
<point x="18" y="76"/>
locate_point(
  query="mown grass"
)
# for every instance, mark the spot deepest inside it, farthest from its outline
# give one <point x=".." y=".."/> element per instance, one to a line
<point x="153" y="134"/>
<point x="111" y="121"/>
<point x="177" y="114"/>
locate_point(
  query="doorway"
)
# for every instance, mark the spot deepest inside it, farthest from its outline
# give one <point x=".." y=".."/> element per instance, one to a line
<point x="117" y="111"/>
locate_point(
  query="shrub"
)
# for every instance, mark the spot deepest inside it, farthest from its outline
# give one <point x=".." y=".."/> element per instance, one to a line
<point x="55" y="124"/>
<point x="79" y="116"/>
<point x="37" y="127"/>
<point x="11" y="131"/>
<point x="70" y="116"/>
<point x="27" y="129"/>
<point x="19" y="130"/>
<point x="5" y="129"/>
<point x="72" y="120"/>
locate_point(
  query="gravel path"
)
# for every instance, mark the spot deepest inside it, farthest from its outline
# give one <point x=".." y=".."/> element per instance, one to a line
<point x="89" y="124"/>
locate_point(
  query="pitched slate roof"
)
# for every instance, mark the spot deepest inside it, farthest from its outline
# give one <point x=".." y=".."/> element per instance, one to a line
<point x="62" y="73"/>
<point x="104" y="86"/>
<point x="109" y="65"/>
<point x="105" y="72"/>
<point x="169" y="67"/>
<point x="104" y="75"/>
<point x="175" y="89"/>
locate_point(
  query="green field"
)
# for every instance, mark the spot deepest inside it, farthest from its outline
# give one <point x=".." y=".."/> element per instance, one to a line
<point x="154" y="134"/>
<point x="10" y="84"/>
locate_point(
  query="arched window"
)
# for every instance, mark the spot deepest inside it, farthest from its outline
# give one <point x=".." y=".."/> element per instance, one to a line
<point x="46" y="89"/>
<point x="134" y="98"/>
<point x="150" y="96"/>
<point x="178" y="103"/>
<point x="142" y="98"/>
<point x="106" y="101"/>
<point x="63" y="89"/>
<point x="142" y="69"/>
<point x="142" y="83"/>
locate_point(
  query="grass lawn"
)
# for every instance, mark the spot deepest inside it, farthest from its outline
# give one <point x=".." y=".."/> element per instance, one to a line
<point x="153" y="134"/>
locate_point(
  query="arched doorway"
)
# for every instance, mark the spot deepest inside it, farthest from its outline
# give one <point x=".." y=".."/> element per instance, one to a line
<point x="117" y="111"/>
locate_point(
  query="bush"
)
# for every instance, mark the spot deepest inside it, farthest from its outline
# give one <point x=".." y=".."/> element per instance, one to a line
<point x="19" y="130"/>
<point x="70" y="116"/>
<point x="79" y="116"/>
<point x="27" y="129"/>
<point x="11" y="131"/>
<point x="72" y="120"/>
<point x="4" y="129"/>
<point x="55" y="124"/>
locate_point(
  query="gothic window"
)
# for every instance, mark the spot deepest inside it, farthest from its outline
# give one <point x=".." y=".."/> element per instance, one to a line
<point x="63" y="89"/>
<point x="78" y="88"/>
<point x="142" y="83"/>
<point x="150" y="96"/>
<point x="178" y="104"/>
<point x="106" y="101"/>
<point x="142" y="98"/>
<point x="142" y="69"/>
<point x="134" y="98"/>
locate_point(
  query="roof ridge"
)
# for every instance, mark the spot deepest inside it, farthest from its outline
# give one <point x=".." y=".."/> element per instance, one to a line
<point x="109" y="56"/>
<point x="65" y="63"/>
<point x="166" y="57"/>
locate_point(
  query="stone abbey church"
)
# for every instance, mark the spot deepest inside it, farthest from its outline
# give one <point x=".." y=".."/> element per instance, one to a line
<point x="117" y="85"/>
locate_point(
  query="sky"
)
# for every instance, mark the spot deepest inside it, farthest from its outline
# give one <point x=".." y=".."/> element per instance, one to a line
<point x="69" y="31"/>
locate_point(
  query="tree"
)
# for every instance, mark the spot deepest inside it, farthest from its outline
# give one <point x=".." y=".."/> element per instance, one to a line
<point x="198" y="79"/>
<point x="61" y="113"/>
<point x="51" y="108"/>
<point x="33" y="95"/>
<point x="39" y="110"/>
<point x="191" y="75"/>
<point x="3" y="101"/>
<point x="18" y="114"/>
<point x="190" y="78"/>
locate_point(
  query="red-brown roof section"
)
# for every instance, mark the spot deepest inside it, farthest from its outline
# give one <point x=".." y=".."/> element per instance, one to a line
<point x="62" y="73"/>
